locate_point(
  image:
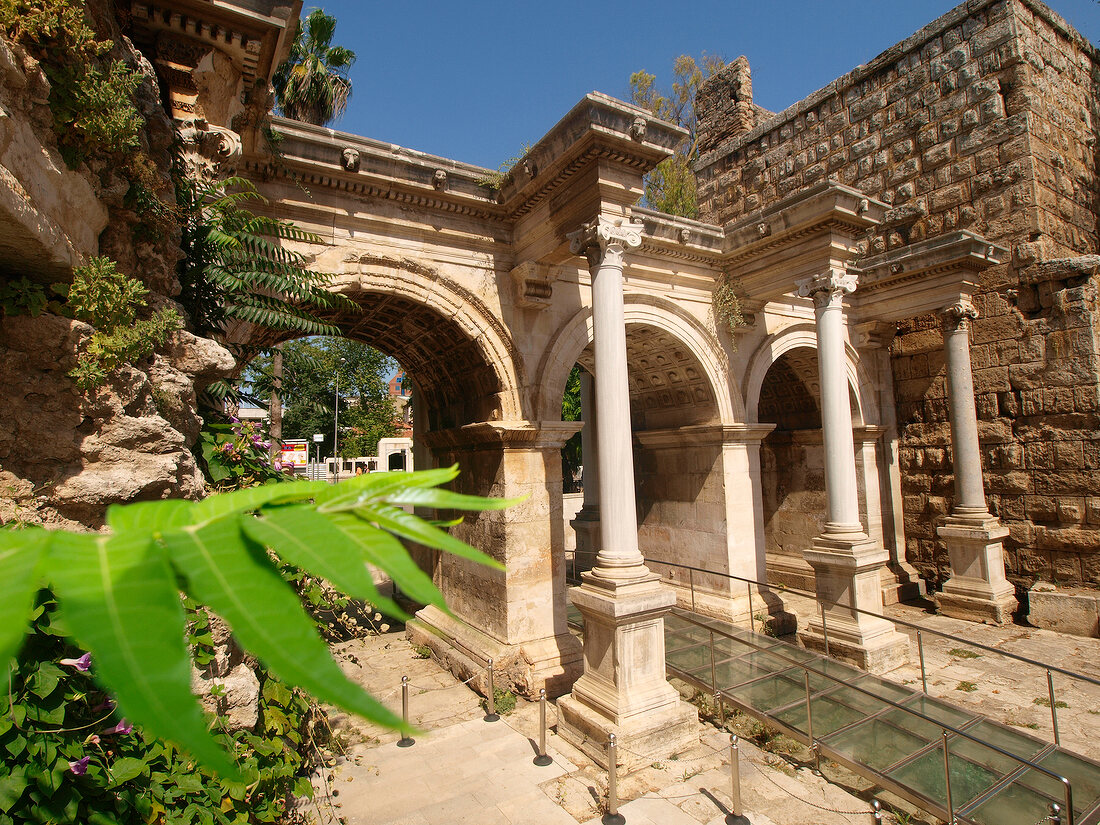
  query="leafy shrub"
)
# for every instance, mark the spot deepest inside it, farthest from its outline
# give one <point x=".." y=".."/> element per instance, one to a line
<point x="67" y="756"/>
<point x="235" y="455"/>
<point x="109" y="300"/>
<point x="27" y="297"/>
<point x="504" y="701"/>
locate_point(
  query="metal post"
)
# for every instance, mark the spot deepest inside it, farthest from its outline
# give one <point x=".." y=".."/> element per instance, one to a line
<point x="491" y="716"/>
<point x="947" y="775"/>
<point x="406" y="740"/>
<point x="1069" y="802"/>
<point x="613" y="816"/>
<point x="810" y="723"/>
<point x="735" y="777"/>
<point x="691" y="584"/>
<point x="1053" y="707"/>
<point x="721" y="708"/>
<point x="1055" y="814"/>
<point x="543" y="759"/>
<point x="713" y="670"/>
<point x="876" y="810"/>
<point x="920" y="652"/>
<point x="824" y="629"/>
<point x="752" y="617"/>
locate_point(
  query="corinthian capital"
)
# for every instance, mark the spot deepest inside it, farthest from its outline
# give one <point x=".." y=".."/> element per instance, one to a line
<point x="605" y="239"/>
<point x="959" y="315"/>
<point x="829" y="288"/>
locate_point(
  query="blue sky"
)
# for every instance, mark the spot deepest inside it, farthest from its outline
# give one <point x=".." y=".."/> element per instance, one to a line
<point x="475" y="81"/>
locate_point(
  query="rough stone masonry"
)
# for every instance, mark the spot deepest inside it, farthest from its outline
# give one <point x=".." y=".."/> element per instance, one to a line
<point x="984" y="120"/>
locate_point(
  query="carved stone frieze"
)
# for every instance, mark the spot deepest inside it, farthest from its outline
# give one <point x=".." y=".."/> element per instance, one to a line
<point x="349" y="159"/>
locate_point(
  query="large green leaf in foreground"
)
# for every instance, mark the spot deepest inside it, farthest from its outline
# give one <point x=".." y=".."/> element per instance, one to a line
<point x="120" y="601"/>
<point x="119" y="590"/>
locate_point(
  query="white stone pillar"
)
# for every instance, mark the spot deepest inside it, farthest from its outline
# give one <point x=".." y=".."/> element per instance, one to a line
<point x="586" y="524"/>
<point x="977" y="588"/>
<point x="623" y="689"/>
<point x="846" y="562"/>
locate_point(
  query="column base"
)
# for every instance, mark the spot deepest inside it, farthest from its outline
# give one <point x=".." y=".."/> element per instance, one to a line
<point x="847" y="569"/>
<point x="553" y="662"/>
<point x="624" y="689"/>
<point x="902" y="583"/>
<point x="641" y="742"/>
<point x="977" y="590"/>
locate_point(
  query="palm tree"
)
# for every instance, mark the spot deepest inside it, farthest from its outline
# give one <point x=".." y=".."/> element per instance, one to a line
<point x="312" y="84"/>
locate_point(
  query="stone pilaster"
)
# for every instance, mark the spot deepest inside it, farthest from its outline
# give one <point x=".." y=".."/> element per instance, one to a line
<point x="977" y="588"/>
<point x="623" y="689"/>
<point x="516" y="617"/>
<point x="846" y="562"/>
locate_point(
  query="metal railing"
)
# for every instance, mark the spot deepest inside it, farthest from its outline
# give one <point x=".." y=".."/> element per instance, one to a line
<point x="818" y="746"/>
<point x="920" y="629"/>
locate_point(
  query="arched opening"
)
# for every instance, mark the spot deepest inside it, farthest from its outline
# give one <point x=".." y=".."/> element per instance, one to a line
<point x="792" y="465"/>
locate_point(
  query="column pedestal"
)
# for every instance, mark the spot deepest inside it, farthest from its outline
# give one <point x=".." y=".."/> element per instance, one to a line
<point x="847" y="571"/>
<point x="977" y="589"/>
<point x="624" y="690"/>
<point x="586" y="525"/>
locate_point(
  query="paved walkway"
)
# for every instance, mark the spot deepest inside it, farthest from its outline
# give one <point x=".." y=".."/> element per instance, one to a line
<point x="465" y="770"/>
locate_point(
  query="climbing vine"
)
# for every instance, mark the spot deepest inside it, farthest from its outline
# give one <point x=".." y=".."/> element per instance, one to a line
<point x="728" y="304"/>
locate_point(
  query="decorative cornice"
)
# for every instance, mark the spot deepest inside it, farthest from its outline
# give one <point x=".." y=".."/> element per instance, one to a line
<point x="539" y="435"/>
<point x="698" y="435"/>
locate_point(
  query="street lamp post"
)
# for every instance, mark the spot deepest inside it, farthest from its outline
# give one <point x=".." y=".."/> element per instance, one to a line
<point x="336" y="427"/>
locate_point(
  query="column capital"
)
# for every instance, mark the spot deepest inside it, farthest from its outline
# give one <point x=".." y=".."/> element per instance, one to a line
<point x="828" y="288"/>
<point x="605" y="238"/>
<point x="958" y="315"/>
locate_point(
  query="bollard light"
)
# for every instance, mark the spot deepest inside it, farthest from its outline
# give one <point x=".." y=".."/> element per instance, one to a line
<point x="491" y="704"/>
<point x="406" y="740"/>
<point x="543" y="759"/>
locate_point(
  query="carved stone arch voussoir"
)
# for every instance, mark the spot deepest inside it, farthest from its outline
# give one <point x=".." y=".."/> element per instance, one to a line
<point x="425" y="285"/>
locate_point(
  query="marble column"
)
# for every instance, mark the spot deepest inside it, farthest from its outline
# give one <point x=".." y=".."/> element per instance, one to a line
<point x="847" y="563"/>
<point x="586" y="524"/>
<point x="977" y="588"/>
<point x="623" y="689"/>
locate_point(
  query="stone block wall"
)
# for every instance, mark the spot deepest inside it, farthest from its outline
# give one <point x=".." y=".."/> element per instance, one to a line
<point x="983" y="120"/>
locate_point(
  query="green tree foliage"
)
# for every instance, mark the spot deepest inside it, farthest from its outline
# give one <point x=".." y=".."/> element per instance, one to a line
<point x="236" y="265"/>
<point x="119" y="593"/>
<point x="310" y="367"/>
<point x="670" y="188"/>
<point x="312" y="84"/>
<point x="571" y="457"/>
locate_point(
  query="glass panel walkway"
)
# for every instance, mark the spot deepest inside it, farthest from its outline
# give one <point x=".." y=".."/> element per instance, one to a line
<point x="895" y="736"/>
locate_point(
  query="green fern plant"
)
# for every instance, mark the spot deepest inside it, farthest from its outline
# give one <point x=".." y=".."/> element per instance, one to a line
<point x="119" y="590"/>
<point x="235" y="266"/>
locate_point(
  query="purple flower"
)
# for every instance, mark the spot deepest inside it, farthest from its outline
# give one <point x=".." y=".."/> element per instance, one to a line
<point x="278" y="465"/>
<point x="83" y="664"/>
<point x="80" y="766"/>
<point x="122" y="727"/>
<point x="234" y="419"/>
<point x="106" y="704"/>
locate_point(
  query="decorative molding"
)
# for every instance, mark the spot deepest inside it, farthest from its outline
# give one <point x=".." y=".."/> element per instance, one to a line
<point x="829" y="288"/>
<point x="207" y="152"/>
<point x="638" y="128"/>
<point x="349" y="159"/>
<point x="533" y="287"/>
<point x="875" y="334"/>
<point x="439" y="179"/>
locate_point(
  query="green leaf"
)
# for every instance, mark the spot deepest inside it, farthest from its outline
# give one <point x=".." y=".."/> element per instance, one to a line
<point x="12" y="787"/>
<point x="347" y="495"/>
<point x="308" y="540"/>
<point x="446" y="500"/>
<point x="45" y="679"/>
<point x="251" y="498"/>
<point x="20" y="552"/>
<point x="239" y="582"/>
<point x="120" y="600"/>
<point x="152" y="516"/>
<point x="125" y="769"/>
<point x="388" y="554"/>
<point x="409" y="526"/>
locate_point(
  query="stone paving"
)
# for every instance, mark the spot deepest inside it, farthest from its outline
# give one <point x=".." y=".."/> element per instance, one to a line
<point x="465" y="770"/>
